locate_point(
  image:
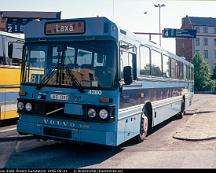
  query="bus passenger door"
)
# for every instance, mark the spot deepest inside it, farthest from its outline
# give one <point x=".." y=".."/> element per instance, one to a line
<point x="128" y="97"/>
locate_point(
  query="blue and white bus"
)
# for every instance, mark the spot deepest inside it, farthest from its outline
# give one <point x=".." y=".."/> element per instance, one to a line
<point x="89" y="80"/>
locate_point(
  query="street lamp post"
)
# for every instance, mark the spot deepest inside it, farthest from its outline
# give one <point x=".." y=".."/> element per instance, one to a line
<point x="159" y="7"/>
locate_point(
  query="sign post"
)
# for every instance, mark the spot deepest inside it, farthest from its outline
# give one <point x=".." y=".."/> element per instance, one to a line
<point x="179" y="33"/>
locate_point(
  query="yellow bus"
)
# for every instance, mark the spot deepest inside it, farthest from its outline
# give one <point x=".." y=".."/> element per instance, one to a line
<point x="10" y="60"/>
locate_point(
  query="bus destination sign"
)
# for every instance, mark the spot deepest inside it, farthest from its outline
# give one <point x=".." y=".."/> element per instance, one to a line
<point x="56" y="28"/>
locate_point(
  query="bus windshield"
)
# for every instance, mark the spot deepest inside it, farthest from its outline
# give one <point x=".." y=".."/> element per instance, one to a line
<point x="89" y="64"/>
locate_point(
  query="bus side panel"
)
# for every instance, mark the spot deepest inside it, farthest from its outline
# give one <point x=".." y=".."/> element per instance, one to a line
<point x="9" y="75"/>
<point x="9" y="88"/>
<point x="128" y="123"/>
<point x="164" y="109"/>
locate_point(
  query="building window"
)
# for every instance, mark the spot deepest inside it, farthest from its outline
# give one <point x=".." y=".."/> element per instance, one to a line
<point x="206" y="54"/>
<point x="215" y="42"/>
<point x="205" y="29"/>
<point x="197" y="41"/>
<point x="205" y="41"/>
<point x="197" y="29"/>
<point x="215" y="54"/>
<point x="197" y="52"/>
<point x="215" y="30"/>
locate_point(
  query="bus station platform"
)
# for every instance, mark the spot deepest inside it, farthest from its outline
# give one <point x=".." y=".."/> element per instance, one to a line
<point x="199" y="127"/>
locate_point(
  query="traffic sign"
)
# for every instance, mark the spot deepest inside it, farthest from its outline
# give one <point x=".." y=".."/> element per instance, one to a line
<point x="179" y="33"/>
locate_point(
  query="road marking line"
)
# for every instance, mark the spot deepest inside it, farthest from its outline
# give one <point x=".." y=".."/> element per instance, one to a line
<point x="7" y="130"/>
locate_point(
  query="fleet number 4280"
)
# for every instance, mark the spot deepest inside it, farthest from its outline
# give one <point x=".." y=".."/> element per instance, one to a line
<point x="95" y="92"/>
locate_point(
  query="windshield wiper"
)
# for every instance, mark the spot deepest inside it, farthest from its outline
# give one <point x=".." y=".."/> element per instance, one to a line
<point x="74" y="79"/>
<point x="46" y="79"/>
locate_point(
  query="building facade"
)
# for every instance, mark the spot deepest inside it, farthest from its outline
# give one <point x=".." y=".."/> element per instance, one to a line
<point x="204" y="43"/>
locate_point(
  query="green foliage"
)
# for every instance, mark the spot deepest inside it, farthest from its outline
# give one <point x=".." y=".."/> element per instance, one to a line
<point x="202" y="74"/>
<point x="155" y="71"/>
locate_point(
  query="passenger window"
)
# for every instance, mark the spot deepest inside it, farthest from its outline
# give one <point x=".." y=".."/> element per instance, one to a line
<point x="188" y="72"/>
<point x="156" y="68"/>
<point x="192" y="73"/>
<point x="180" y="70"/>
<point x="144" y="61"/>
<point x="173" y="68"/>
<point x="166" y="66"/>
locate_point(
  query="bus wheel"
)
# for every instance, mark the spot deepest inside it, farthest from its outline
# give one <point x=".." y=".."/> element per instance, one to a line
<point x="180" y="114"/>
<point x="144" y="125"/>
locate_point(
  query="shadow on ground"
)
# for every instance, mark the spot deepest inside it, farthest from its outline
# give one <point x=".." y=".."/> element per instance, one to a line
<point x="60" y="155"/>
<point x="8" y="122"/>
<point x="50" y="154"/>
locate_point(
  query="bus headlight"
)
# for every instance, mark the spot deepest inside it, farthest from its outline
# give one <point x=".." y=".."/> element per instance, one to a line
<point x="20" y="106"/>
<point x="28" y="106"/>
<point x="103" y="114"/>
<point x="92" y="113"/>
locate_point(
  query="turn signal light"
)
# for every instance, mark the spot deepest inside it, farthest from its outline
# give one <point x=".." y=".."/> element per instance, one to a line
<point x="105" y="100"/>
<point x="21" y="93"/>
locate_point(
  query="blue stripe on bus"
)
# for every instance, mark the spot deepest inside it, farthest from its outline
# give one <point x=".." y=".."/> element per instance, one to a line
<point x="133" y="97"/>
<point x="8" y="96"/>
<point x="8" y="102"/>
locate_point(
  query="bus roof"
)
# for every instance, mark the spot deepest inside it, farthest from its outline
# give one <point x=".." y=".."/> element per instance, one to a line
<point x="87" y="29"/>
<point x="71" y="29"/>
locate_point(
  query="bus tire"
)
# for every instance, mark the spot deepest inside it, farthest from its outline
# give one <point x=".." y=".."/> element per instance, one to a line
<point x="183" y="106"/>
<point x="181" y="113"/>
<point x="144" y="126"/>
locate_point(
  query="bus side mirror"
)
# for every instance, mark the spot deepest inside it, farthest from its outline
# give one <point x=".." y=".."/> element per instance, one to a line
<point x="128" y="75"/>
<point x="10" y="50"/>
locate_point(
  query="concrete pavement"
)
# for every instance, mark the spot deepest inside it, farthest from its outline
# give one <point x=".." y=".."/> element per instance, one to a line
<point x="200" y="126"/>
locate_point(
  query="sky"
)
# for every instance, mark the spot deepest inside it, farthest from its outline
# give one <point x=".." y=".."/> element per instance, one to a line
<point x="129" y="14"/>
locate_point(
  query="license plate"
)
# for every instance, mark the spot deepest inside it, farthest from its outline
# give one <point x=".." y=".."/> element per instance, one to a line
<point x="59" y="97"/>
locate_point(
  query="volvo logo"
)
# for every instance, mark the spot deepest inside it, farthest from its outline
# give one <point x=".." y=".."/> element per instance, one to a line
<point x="64" y="124"/>
<point x="58" y="123"/>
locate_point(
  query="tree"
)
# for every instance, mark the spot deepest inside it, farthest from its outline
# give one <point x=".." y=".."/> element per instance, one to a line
<point x="202" y="74"/>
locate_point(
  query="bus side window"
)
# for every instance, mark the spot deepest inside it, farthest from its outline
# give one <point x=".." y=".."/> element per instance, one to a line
<point x="1" y="50"/>
<point x="156" y="67"/>
<point x="192" y="73"/>
<point x="10" y="50"/>
<point x="128" y="59"/>
<point x="166" y="66"/>
<point x="173" y="68"/>
<point x="179" y="70"/>
<point x="185" y="72"/>
<point x="144" y="61"/>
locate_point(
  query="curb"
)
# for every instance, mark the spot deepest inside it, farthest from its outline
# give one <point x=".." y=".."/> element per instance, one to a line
<point x="193" y="139"/>
<point x="16" y="138"/>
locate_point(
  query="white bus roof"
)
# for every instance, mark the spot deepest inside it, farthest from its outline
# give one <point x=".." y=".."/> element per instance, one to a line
<point x="18" y="36"/>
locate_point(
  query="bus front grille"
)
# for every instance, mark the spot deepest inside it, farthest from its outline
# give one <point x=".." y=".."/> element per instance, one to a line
<point x="55" y="132"/>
